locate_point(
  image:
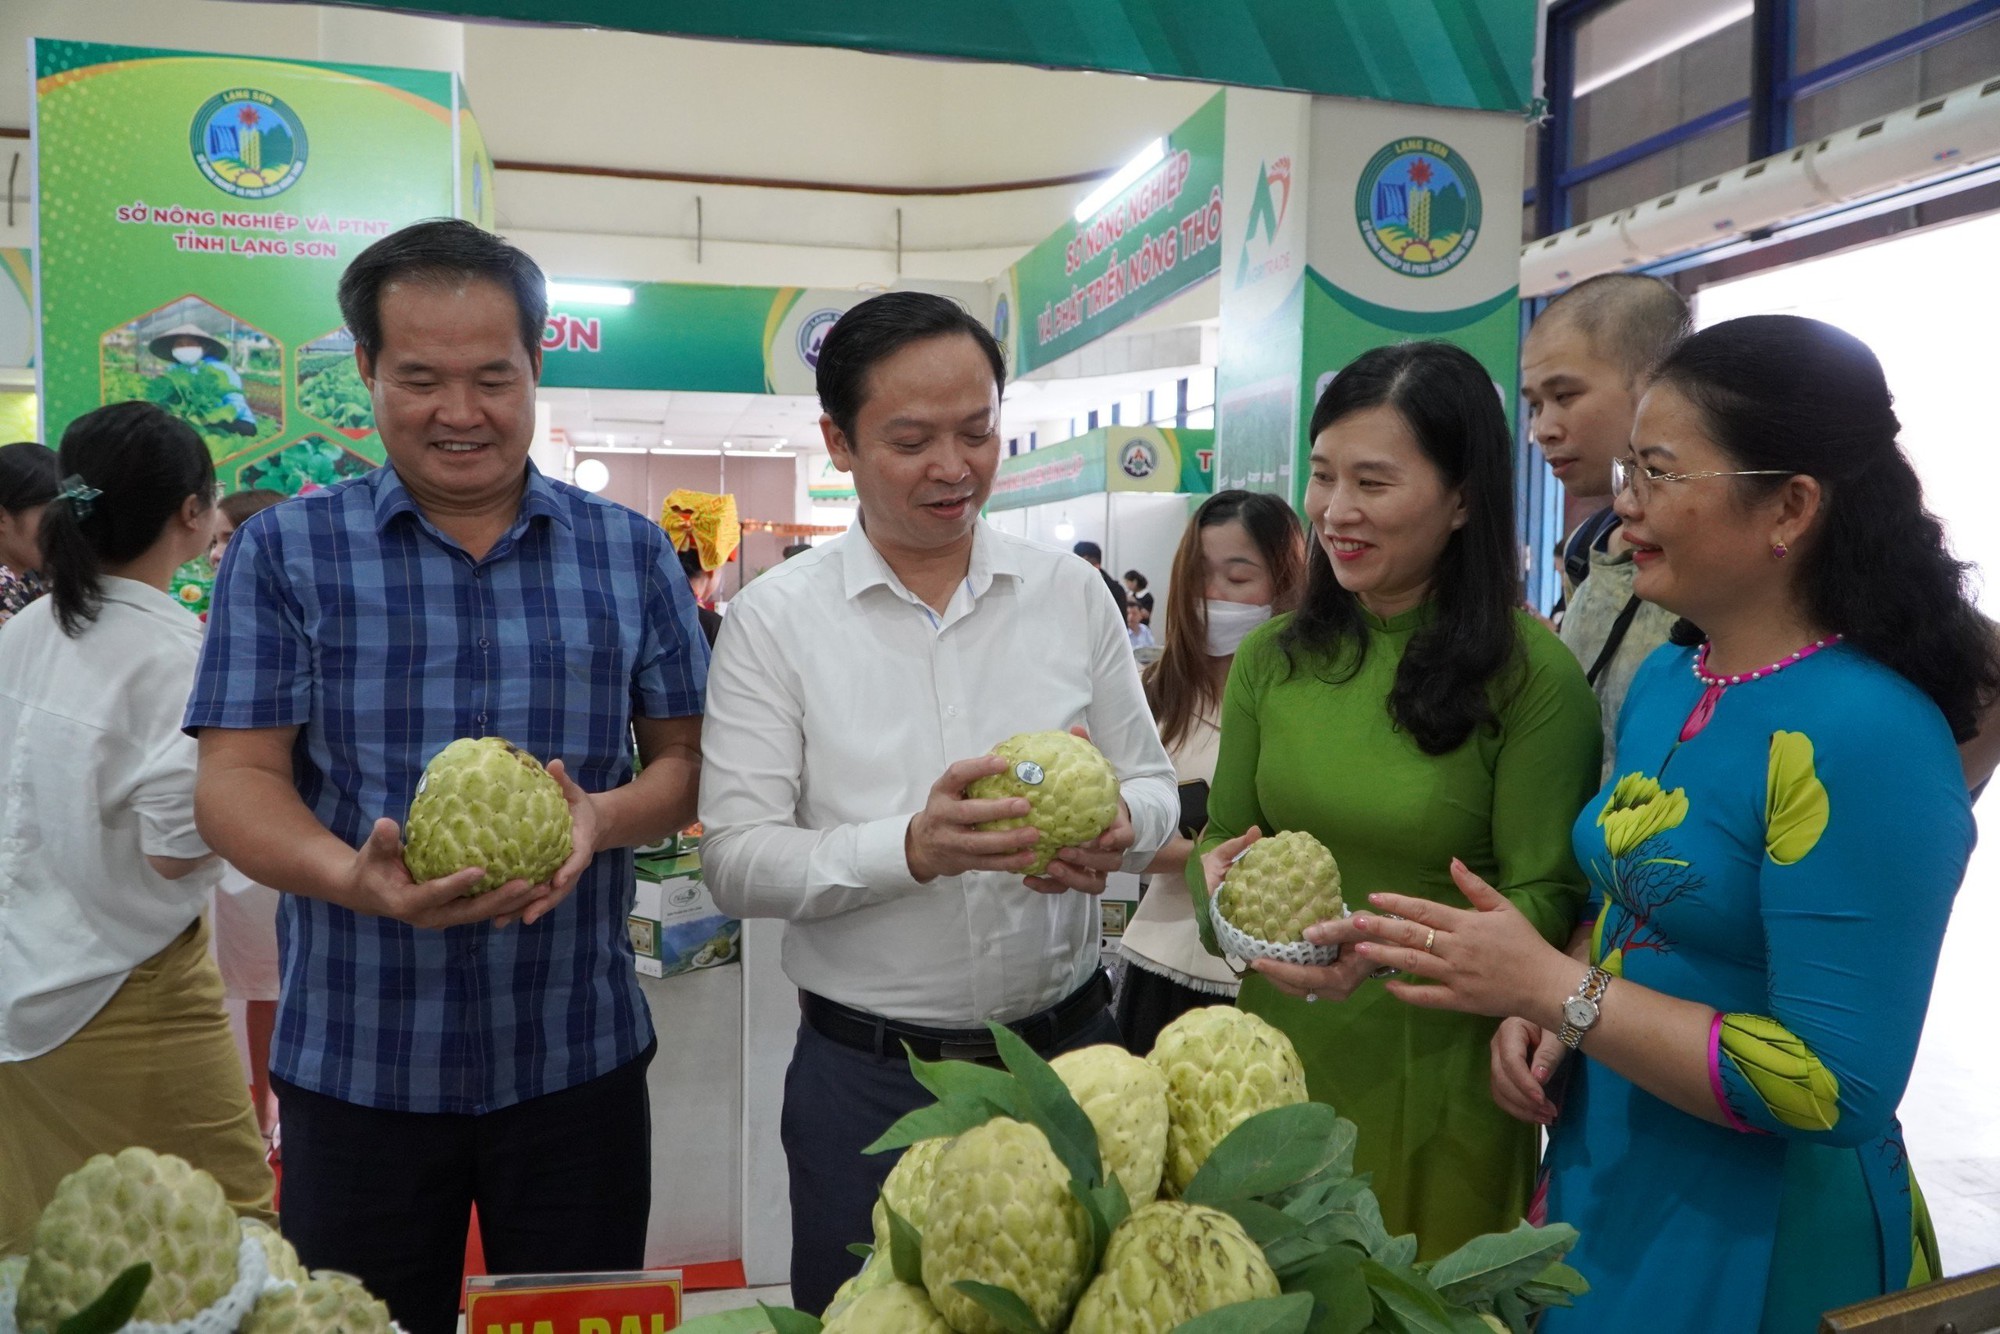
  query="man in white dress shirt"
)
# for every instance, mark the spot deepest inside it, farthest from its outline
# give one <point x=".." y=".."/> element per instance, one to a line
<point x="854" y="694"/>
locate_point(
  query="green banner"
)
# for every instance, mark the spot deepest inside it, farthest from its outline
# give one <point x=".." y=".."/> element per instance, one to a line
<point x="1157" y="459"/>
<point x="196" y="212"/>
<point x="17" y="308"/>
<point x="1460" y="53"/>
<point x="698" y="336"/>
<point x="1156" y="239"/>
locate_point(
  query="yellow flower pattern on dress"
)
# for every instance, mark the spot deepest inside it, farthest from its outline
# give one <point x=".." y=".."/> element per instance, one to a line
<point x="1795" y="802"/>
<point x="1792" y="1081"/>
<point x="1639" y="809"/>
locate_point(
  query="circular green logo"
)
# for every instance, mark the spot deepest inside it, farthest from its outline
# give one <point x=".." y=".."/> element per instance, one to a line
<point x="248" y="143"/>
<point x="1418" y="207"/>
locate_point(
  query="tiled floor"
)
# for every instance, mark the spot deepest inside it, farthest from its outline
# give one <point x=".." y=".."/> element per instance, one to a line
<point x="1951" y="1113"/>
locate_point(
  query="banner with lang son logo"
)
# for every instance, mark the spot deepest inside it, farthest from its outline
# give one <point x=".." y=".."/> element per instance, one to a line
<point x="196" y="213"/>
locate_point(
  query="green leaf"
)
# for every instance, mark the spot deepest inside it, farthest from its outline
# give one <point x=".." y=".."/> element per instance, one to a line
<point x="1563" y="1279"/>
<point x="1272" y="1151"/>
<point x="862" y="1251"/>
<point x="1515" y="1311"/>
<point x="944" y="1078"/>
<point x="1404" y="1301"/>
<point x="1351" y="1213"/>
<point x="1334" y="1279"/>
<point x="1266" y="1226"/>
<point x="1399" y="1253"/>
<point x="906" y="1249"/>
<point x="1010" y="1312"/>
<point x="785" y="1320"/>
<point x="1291" y="1314"/>
<point x="1487" y="1266"/>
<point x="114" y="1306"/>
<point x="1046" y="1103"/>
<point x="943" y="1119"/>
<point x="1107" y="1207"/>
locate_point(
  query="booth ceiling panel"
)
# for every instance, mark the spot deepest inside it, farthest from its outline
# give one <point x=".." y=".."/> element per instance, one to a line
<point x="1461" y="53"/>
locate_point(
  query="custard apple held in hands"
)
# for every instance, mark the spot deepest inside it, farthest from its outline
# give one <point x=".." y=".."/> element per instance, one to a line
<point x="1280" y="886"/>
<point x="116" y="1212"/>
<point x="1169" y="1262"/>
<point x="486" y="802"/>
<point x="1072" y="791"/>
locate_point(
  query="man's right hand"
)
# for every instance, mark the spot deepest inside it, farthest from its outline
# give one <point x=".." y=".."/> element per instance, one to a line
<point x="943" y="838"/>
<point x="379" y="884"/>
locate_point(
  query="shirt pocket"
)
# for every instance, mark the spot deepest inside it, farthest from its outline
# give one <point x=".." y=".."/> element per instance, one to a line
<point x="580" y="700"/>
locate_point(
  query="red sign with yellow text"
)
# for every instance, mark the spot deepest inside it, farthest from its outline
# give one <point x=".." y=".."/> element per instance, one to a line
<point x="644" y="1303"/>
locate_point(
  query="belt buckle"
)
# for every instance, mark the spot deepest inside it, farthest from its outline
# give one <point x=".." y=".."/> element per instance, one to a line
<point x="968" y="1051"/>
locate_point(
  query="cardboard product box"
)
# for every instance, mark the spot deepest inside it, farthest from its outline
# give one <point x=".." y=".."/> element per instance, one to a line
<point x="675" y="926"/>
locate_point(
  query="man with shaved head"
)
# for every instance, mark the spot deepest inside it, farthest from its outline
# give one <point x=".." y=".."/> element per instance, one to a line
<point x="1583" y="368"/>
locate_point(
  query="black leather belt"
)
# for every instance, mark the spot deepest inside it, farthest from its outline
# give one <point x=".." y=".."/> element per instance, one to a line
<point x="1045" y="1031"/>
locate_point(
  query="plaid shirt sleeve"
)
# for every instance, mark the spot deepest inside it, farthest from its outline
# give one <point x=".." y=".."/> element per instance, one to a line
<point x="253" y="660"/>
<point x="672" y="671"/>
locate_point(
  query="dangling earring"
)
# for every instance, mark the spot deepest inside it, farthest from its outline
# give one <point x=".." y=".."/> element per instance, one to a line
<point x="1779" y="550"/>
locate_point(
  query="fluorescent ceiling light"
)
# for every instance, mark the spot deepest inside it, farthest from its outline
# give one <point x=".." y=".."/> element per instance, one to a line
<point x="1148" y="158"/>
<point x="1699" y="25"/>
<point x="589" y="294"/>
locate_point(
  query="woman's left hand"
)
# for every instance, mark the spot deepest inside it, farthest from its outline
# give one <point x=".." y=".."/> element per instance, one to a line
<point x="1489" y="960"/>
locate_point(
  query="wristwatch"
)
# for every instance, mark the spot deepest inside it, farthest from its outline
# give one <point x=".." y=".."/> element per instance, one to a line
<point x="1580" y="1010"/>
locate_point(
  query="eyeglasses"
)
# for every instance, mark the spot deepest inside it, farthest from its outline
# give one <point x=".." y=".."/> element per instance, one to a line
<point x="1638" y="478"/>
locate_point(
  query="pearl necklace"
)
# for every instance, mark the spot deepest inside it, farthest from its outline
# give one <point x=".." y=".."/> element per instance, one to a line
<point x="1704" y="708"/>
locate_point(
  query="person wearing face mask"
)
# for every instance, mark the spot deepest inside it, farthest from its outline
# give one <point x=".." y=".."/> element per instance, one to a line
<point x="1242" y="557"/>
<point x="191" y="348"/>
<point x="1409" y="713"/>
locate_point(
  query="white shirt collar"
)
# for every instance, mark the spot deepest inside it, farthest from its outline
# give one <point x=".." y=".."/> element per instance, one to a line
<point x="863" y="568"/>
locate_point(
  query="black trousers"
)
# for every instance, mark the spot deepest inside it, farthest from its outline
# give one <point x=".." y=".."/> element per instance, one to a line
<point x="837" y="1102"/>
<point x="563" y="1183"/>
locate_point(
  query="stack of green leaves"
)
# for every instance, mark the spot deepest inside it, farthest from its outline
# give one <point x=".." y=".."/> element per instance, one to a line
<point x="1284" y="1177"/>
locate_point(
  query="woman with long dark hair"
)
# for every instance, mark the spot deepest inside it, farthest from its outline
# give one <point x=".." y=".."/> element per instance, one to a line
<point x="1777" y="857"/>
<point x="1241" y="559"/>
<point x="112" y="1030"/>
<point x="1407" y="714"/>
<point x="27" y="485"/>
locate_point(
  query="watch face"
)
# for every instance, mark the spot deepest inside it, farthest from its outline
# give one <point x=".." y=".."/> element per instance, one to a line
<point x="1580" y="1012"/>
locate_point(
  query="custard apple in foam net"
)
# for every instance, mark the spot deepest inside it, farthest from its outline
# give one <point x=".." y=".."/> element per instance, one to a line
<point x="1072" y="790"/>
<point x="892" y="1308"/>
<point x="1125" y="1098"/>
<point x="1001" y="1212"/>
<point x="486" y="802"/>
<point x="1223" y="1066"/>
<point x="280" y="1260"/>
<point x="326" y="1303"/>
<point x="1280" y="886"/>
<point x="113" y="1213"/>
<point x="1171" y="1262"/>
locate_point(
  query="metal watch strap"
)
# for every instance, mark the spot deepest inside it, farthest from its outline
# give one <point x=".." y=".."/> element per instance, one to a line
<point x="1592" y="989"/>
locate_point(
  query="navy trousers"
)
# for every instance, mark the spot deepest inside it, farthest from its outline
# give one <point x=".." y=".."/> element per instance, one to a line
<point x="837" y="1102"/>
<point x="563" y="1183"/>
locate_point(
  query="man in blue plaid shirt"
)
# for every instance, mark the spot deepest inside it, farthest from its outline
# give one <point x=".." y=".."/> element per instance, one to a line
<point x="434" y="1051"/>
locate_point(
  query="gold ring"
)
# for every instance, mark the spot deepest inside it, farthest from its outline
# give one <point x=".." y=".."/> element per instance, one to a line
<point x="1430" y="940"/>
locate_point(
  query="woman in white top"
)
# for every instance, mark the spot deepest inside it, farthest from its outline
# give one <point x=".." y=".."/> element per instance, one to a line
<point x="112" y="1031"/>
<point x="1241" y="559"/>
